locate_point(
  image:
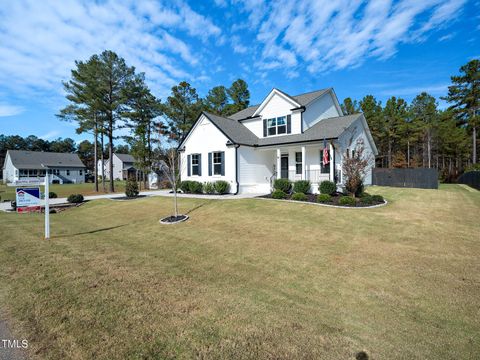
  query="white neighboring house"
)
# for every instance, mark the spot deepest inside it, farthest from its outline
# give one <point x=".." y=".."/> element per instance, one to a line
<point x="27" y="166"/>
<point x="123" y="167"/>
<point x="283" y="137"/>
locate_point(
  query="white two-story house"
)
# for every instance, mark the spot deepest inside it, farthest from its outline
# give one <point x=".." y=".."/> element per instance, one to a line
<point x="283" y="137"/>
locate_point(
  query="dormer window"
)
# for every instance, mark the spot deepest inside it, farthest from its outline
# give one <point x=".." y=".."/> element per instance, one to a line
<point x="276" y="126"/>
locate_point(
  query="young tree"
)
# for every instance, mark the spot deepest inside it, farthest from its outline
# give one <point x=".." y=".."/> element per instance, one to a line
<point x="217" y="100"/>
<point x="464" y="93"/>
<point x="172" y="173"/>
<point x="354" y="168"/>
<point x="181" y="110"/>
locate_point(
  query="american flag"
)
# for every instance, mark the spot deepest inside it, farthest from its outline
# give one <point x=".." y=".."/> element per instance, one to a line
<point x="326" y="158"/>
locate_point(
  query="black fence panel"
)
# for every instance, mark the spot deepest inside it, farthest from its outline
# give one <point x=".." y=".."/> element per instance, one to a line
<point x="423" y="178"/>
<point x="471" y="178"/>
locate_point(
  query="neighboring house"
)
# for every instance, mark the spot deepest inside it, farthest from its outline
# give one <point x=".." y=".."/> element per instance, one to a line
<point x="123" y="167"/>
<point x="22" y="165"/>
<point x="283" y="137"/>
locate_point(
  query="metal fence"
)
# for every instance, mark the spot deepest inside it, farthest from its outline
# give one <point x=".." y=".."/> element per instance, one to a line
<point x="423" y="178"/>
<point x="471" y="178"/>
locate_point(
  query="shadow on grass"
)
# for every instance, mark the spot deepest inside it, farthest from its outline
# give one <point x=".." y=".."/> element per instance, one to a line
<point x="88" y="232"/>
<point x="199" y="206"/>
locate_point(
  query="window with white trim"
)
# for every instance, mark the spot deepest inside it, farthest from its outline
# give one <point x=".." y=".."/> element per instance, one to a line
<point x="195" y="163"/>
<point x="217" y="163"/>
<point x="68" y="172"/>
<point x="277" y="126"/>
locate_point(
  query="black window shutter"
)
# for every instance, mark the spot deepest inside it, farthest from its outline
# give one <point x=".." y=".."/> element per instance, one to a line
<point x="199" y="164"/>
<point x="223" y="162"/>
<point x="289" y="124"/>
<point x="209" y="164"/>
<point x="189" y="163"/>
<point x="264" y="127"/>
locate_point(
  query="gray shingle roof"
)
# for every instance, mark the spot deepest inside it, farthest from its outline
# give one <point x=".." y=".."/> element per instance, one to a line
<point x="330" y="128"/>
<point x="302" y="99"/>
<point x="22" y="159"/>
<point x="234" y="130"/>
<point x="126" y="158"/>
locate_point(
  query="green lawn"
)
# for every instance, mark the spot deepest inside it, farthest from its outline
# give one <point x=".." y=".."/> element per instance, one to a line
<point x="248" y="279"/>
<point x="8" y="192"/>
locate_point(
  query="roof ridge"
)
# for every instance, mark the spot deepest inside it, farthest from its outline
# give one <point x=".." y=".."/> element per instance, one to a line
<point x="311" y="92"/>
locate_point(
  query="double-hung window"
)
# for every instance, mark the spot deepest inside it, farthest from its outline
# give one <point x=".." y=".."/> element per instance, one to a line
<point x="195" y="164"/>
<point x="277" y="126"/>
<point x="272" y="126"/>
<point x="298" y="163"/>
<point x="217" y="163"/>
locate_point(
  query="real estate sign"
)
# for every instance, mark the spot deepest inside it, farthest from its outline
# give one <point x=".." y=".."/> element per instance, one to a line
<point x="28" y="199"/>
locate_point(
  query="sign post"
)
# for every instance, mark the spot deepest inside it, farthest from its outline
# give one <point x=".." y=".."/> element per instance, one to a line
<point x="47" y="207"/>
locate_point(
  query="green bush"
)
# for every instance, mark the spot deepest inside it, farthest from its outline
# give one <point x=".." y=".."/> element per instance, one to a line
<point x="75" y="198"/>
<point x="222" y="187"/>
<point x="279" y="194"/>
<point x="131" y="188"/>
<point x="52" y="195"/>
<point x="301" y="186"/>
<point x="195" y="187"/>
<point x="184" y="186"/>
<point x="324" y="198"/>
<point x="377" y="198"/>
<point x="209" y="188"/>
<point x="367" y="200"/>
<point x="327" y="187"/>
<point x="282" y="184"/>
<point x="299" y="196"/>
<point x="347" y="201"/>
<point x="473" y="167"/>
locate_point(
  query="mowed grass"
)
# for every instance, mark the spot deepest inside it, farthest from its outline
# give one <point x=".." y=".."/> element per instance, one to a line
<point x="248" y="279"/>
<point x="8" y="192"/>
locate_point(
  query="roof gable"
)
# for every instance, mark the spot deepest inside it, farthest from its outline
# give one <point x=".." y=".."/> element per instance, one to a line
<point x="271" y="95"/>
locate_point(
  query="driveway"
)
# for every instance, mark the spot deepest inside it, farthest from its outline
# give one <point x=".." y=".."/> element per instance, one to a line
<point x="5" y="352"/>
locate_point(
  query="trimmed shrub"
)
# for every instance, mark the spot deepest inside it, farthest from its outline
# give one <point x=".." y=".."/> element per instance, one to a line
<point x="301" y="186"/>
<point x="222" y="187"/>
<point x="328" y="187"/>
<point x="209" y="188"/>
<point x="299" y="196"/>
<point x="52" y="195"/>
<point x="283" y="185"/>
<point x="324" y="198"/>
<point x="75" y="198"/>
<point x="367" y="200"/>
<point x="195" y="187"/>
<point x="346" y="201"/>
<point x="279" y="194"/>
<point x="131" y="188"/>
<point x="378" y="198"/>
<point x="184" y="186"/>
<point x="165" y="184"/>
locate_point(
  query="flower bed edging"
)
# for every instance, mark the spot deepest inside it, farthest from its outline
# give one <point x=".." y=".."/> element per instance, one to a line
<point x="385" y="202"/>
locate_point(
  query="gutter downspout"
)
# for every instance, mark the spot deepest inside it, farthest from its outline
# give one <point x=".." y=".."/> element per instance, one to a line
<point x="236" y="169"/>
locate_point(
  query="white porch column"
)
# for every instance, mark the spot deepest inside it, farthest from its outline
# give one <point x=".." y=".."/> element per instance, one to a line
<point x="279" y="164"/>
<point x="332" y="176"/>
<point x="304" y="173"/>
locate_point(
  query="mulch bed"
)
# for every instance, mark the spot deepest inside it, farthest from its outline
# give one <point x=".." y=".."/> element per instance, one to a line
<point x="173" y="219"/>
<point x="129" y="198"/>
<point x="312" y="198"/>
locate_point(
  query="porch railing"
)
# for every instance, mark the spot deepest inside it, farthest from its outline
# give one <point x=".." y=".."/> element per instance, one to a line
<point x="314" y="176"/>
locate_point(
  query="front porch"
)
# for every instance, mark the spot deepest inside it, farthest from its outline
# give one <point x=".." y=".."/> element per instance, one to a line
<point x="305" y="162"/>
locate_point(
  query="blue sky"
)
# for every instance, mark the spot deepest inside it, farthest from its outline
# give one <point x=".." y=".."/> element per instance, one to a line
<point x="378" y="47"/>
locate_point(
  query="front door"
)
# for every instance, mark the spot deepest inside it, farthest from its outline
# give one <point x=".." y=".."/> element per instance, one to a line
<point x="284" y="166"/>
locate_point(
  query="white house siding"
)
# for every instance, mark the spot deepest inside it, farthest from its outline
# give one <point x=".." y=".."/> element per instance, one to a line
<point x="277" y="106"/>
<point x="357" y="132"/>
<point x="117" y="168"/>
<point x="321" y="108"/>
<point x="255" y="169"/>
<point x="203" y="139"/>
<point x="10" y="173"/>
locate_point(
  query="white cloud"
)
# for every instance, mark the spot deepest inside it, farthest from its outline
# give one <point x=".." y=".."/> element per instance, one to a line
<point x="50" y="135"/>
<point x="10" y="110"/>
<point x="446" y="37"/>
<point x="329" y="35"/>
<point x="40" y="40"/>
<point x="415" y="90"/>
<point x="237" y="46"/>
